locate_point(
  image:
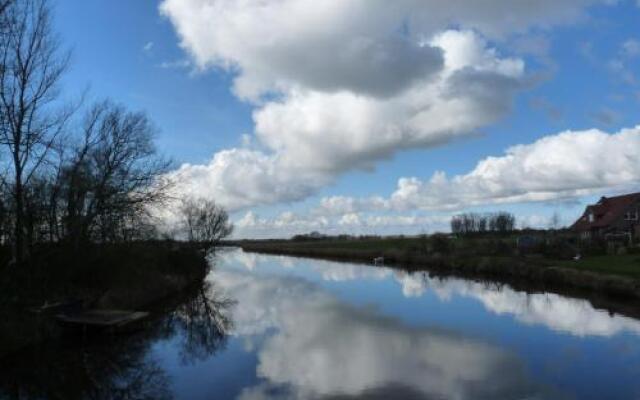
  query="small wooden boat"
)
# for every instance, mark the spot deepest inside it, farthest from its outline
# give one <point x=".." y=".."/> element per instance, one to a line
<point x="102" y="320"/>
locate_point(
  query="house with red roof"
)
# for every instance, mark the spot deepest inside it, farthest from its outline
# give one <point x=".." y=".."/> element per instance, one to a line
<point x="611" y="218"/>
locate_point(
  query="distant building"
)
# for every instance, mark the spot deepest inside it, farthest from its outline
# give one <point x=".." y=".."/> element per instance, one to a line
<point x="611" y="218"/>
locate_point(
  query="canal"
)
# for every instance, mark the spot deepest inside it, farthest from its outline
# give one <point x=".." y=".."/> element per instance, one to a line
<point x="275" y="327"/>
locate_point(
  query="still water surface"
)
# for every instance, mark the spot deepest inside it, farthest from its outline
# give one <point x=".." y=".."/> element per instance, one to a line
<point x="269" y="327"/>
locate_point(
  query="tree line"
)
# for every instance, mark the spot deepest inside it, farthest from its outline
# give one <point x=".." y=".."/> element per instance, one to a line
<point x="75" y="173"/>
<point x="500" y="222"/>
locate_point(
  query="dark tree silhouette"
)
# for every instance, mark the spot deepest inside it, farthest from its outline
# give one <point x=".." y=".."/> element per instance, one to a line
<point x="113" y="175"/>
<point x="31" y="66"/>
<point x="205" y="223"/>
<point x="203" y="322"/>
<point x="501" y="222"/>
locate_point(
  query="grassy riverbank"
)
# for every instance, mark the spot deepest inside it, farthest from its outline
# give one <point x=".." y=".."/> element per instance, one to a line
<point x="625" y="265"/>
<point x="121" y="276"/>
<point x="548" y="265"/>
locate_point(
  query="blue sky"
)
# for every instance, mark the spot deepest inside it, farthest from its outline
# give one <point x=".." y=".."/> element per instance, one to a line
<point x="225" y="83"/>
<point x="196" y="113"/>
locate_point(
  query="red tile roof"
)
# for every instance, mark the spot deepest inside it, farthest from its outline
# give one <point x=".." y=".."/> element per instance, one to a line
<point x="605" y="212"/>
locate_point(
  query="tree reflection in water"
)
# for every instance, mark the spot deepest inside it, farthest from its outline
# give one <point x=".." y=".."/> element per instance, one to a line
<point x="113" y="367"/>
<point x="203" y="323"/>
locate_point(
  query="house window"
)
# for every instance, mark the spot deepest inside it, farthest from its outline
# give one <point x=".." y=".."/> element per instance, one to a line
<point x="631" y="216"/>
<point x="590" y="217"/>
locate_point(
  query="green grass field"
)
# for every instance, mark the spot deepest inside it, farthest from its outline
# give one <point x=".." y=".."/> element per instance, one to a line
<point x="461" y="249"/>
<point x="382" y="244"/>
<point x="627" y="265"/>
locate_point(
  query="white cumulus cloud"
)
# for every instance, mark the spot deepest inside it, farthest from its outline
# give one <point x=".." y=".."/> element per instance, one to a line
<point x="338" y="85"/>
<point x="308" y="137"/>
<point x="565" y="165"/>
<point x="287" y="224"/>
<point x="365" y="45"/>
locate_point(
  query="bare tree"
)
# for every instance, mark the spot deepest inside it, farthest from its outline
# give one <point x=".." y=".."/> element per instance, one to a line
<point x="457" y="225"/>
<point x="502" y="222"/>
<point x="205" y="223"/>
<point x="4" y="20"/>
<point x="113" y="175"/>
<point x="554" y="222"/>
<point x="31" y="66"/>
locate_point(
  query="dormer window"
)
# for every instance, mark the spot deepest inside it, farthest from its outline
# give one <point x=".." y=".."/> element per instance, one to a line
<point x="590" y="217"/>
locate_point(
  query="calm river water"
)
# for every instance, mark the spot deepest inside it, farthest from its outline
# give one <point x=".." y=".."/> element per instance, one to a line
<point x="269" y="327"/>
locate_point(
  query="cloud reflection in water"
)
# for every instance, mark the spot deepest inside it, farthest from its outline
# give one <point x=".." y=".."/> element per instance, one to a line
<point x="317" y="346"/>
<point x="559" y="313"/>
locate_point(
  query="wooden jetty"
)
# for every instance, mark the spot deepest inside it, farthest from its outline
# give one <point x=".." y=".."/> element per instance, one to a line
<point x="107" y="320"/>
<point x="57" y="307"/>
